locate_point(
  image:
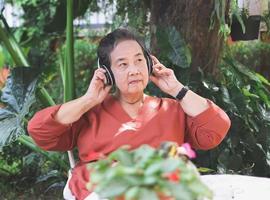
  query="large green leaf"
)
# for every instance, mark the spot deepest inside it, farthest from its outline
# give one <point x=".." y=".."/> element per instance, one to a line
<point x="173" y="47"/>
<point x="18" y="96"/>
<point x="180" y="54"/>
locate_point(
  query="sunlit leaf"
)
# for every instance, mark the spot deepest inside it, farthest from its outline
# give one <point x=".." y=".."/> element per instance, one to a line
<point x="18" y="96"/>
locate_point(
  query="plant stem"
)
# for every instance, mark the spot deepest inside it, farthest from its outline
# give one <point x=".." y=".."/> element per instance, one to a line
<point x="12" y="46"/>
<point x="69" y="91"/>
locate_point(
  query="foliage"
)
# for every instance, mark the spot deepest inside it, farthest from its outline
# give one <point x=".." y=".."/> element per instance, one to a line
<point x="253" y="54"/>
<point x="18" y="95"/>
<point x="147" y="173"/>
<point x="245" y="96"/>
<point x="173" y="52"/>
<point x="128" y="13"/>
<point x="25" y="173"/>
<point x="85" y="64"/>
<point x="219" y="16"/>
<point x="5" y="59"/>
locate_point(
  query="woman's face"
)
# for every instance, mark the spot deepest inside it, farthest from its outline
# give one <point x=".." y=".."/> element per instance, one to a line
<point x="129" y="67"/>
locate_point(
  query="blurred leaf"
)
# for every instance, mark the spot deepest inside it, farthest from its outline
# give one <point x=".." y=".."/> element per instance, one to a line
<point x="150" y="180"/>
<point x="170" y="165"/>
<point x="180" y="192"/>
<point x="153" y="168"/>
<point x="146" y="194"/>
<point x="262" y="79"/>
<point x="18" y="96"/>
<point x="132" y="193"/>
<point x="122" y="156"/>
<point x="45" y="177"/>
<point x="265" y="114"/>
<point x="114" y="187"/>
<point x="142" y="155"/>
<point x="205" y="170"/>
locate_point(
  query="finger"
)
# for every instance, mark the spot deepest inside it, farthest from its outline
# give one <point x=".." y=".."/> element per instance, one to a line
<point x="158" y="66"/>
<point x="100" y="70"/>
<point x="101" y="76"/>
<point x="155" y="60"/>
<point x="162" y="72"/>
<point x="154" y="79"/>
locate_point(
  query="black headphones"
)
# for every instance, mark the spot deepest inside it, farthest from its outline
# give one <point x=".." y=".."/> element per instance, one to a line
<point x="109" y="75"/>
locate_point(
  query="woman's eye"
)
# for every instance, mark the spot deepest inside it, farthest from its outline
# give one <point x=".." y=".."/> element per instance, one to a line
<point x="122" y="64"/>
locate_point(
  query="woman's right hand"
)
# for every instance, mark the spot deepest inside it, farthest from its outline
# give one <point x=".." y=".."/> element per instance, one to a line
<point x="97" y="90"/>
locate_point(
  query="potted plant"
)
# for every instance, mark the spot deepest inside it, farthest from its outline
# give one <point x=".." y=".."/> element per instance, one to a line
<point x="146" y="173"/>
<point x="245" y="26"/>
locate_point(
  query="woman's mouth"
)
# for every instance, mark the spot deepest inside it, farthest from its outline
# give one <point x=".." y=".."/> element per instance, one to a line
<point x="134" y="82"/>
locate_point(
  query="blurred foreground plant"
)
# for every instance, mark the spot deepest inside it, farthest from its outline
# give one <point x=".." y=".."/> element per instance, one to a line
<point x="148" y="173"/>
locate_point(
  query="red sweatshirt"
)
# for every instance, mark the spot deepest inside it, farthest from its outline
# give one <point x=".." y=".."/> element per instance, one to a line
<point x="107" y="126"/>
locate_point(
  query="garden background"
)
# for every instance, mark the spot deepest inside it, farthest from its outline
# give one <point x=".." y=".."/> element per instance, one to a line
<point x="218" y="48"/>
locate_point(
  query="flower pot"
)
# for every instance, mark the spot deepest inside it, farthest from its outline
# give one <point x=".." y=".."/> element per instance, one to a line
<point x="252" y="24"/>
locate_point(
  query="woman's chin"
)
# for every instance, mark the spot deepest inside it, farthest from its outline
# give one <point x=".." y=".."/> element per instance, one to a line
<point x="135" y="90"/>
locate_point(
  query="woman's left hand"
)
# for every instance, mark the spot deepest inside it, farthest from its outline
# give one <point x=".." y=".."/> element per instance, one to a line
<point x="164" y="78"/>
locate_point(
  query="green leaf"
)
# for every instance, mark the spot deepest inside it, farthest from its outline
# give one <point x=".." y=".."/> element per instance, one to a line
<point x="18" y="96"/>
<point x="47" y="176"/>
<point x="113" y="188"/>
<point x="171" y="42"/>
<point x="150" y="180"/>
<point x="155" y="167"/>
<point x="262" y="79"/>
<point x="265" y="114"/>
<point x="180" y="192"/>
<point x="244" y="70"/>
<point x="132" y="193"/>
<point x="146" y="194"/>
<point x="180" y="54"/>
<point x="142" y="155"/>
<point x="123" y="157"/>
<point x="170" y="165"/>
<point x="205" y="170"/>
<point x="247" y="93"/>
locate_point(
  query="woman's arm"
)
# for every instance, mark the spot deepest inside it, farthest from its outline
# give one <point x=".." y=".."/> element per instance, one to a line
<point x="165" y="79"/>
<point x="57" y="127"/>
<point x="96" y="93"/>
<point x="207" y="129"/>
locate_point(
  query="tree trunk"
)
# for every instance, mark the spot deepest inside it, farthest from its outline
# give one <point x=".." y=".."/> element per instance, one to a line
<point x="192" y="19"/>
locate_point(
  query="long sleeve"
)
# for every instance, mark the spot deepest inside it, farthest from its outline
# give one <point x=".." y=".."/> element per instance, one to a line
<point x="208" y="129"/>
<point x="52" y="135"/>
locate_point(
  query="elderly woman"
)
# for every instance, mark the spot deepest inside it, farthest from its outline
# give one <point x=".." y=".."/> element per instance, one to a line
<point x="99" y="123"/>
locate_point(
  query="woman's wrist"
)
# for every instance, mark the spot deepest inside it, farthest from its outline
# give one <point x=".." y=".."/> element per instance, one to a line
<point x="87" y="102"/>
<point x="174" y="92"/>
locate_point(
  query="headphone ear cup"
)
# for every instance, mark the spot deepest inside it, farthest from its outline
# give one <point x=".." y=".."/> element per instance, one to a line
<point x="108" y="74"/>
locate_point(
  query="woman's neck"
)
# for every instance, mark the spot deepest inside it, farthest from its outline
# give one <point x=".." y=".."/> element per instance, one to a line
<point x="130" y="99"/>
<point x="131" y="103"/>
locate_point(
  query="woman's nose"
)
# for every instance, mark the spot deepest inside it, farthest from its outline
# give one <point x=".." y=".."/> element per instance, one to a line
<point x="134" y="70"/>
